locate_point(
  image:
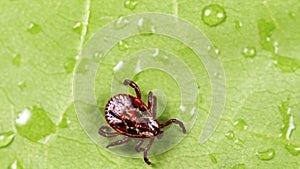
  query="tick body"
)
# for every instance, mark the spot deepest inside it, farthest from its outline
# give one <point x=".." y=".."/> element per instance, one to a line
<point x="129" y="116"/>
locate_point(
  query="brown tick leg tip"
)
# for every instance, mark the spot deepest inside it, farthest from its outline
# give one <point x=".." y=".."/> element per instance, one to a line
<point x="126" y="82"/>
<point x="147" y="161"/>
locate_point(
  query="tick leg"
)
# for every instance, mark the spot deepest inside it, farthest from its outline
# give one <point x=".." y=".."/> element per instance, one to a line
<point x="124" y="140"/>
<point x="135" y="86"/>
<point x="102" y="132"/>
<point x="150" y="97"/>
<point x="138" y="145"/>
<point x="154" y="107"/>
<point x="173" y="121"/>
<point x="146" y="151"/>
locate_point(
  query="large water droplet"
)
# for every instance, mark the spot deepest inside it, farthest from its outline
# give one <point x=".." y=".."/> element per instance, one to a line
<point x="294" y="150"/>
<point x="121" y="22"/>
<point x="145" y="26"/>
<point x="16" y="60"/>
<point x="249" y="52"/>
<point x="130" y="4"/>
<point x="230" y="135"/>
<point x="240" y="124"/>
<point x="34" y="124"/>
<point x="213" y="15"/>
<point x="6" y="138"/>
<point x="15" y="165"/>
<point x="213" y="159"/>
<point x="266" y="155"/>
<point x="33" y="28"/>
<point x="69" y="65"/>
<point x="123" y="45"/>
<point x="78" y="28"/>
<point x="288" y="121"/>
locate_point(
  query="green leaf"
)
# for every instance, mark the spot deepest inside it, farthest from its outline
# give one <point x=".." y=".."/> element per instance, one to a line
<point x="257" y="43"/>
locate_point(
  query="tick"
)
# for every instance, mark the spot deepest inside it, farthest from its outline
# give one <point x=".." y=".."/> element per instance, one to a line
<point x="129" y="116"/>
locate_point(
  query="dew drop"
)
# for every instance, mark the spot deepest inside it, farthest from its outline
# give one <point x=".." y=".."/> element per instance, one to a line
<point x="69" y="65"/>
<point x="22" y="84"/>
<point x="6" y="138"/>
<point x="213" y="159"/>
<point x="156" y="52"/>
<point x="240" y="124"/>
<point x="78" y="28"/>
<point x="266" y="155"/>
<point x="145" y="26"/>
<point x="249" y="52"/>
<point x="288" y="121"/>
<point x="34" y="124"/>
<point x="123" y="45"/>
<point x="238" y="24"/>
<point x="121" y="22"/>
<point x="15" y="165"/>
<point x="64" y="121"/>
<point x="130" y="4"/>
<point x="230" y="135"/>
<point x="294" y="150"/>
<point x="16" y="60"/>
<point x="213" y="15"/>
<point x="33" y="28"/>
<point x="239" y="142"/>
<point x="118" y="66"/>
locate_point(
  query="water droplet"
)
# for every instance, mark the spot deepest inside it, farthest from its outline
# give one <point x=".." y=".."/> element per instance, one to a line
<point x="239" y="142"/>
<point x="238" y="24"/>
<point x="240" y="124"/>
<point x="156" y="52"/>
<point x="64" y="121"/>
<point x="130" y="4"/>
<point x="230" y="135"/>
<point x="22" y="84"/>
<point x="33" y="28"/>
<point x="213" y="15"/>
<point x="288" y="122"/>
<point x="145" y="26"/>
<point x="15" y="165"/>
<point x="121" y="22"/>
<point x="6" y="138"/>
<point x="249" y="52"/>
<point x="16" y="60"/>
<point x="118" y="66"/>
<point x="239" y="166"/>
<point x="265" y="30"/>
<point x="213" y="159"/>
<point x="123" y="45"/>
<point x="266" y="155"/>
<point x="69" y="65"/>
<point x="34" y="124"/>
<point x="294" y="150"/>
<point x="78" y="28"/>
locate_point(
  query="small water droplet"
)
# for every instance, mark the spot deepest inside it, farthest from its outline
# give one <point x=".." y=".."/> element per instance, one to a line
<point x="118" y="66"/>
<point x="230" y="135"/>
<point x="156" y="52"/>
<point x="34" y="124"/>
<point x="121" y="22"/>
<point x="213" y="15"/>
<point x="130" y="4"/>
<point x="294" y="150"/>
<point x="182" y="108"/>
<point x="123" y="45"/>
<point x="145" y="26"/>
<point x="78" y="28"/>
<point x="239" y="166"/>
<point x="64" y="121"/>
<point x="15" y="165"/>
<point x="239" y="142"/>
<point x="213" y="159"/>
<point x="266" y="155"/>
<point x="16" y="60"/>
<point x="249" y="52"/>
<point x="6" y="138"/>
<point x="238" y="24"/>
<point x="33" y="28"/>
<point x="240" y="124"/>
<point x="22" y="84"/>
<point x="69" y="65"/>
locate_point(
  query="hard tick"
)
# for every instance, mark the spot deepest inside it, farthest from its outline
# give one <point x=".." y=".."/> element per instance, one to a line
<point x="130" y="116"/>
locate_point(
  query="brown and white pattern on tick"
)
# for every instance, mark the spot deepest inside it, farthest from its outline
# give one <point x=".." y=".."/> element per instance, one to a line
<point x="129" y="116"/>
